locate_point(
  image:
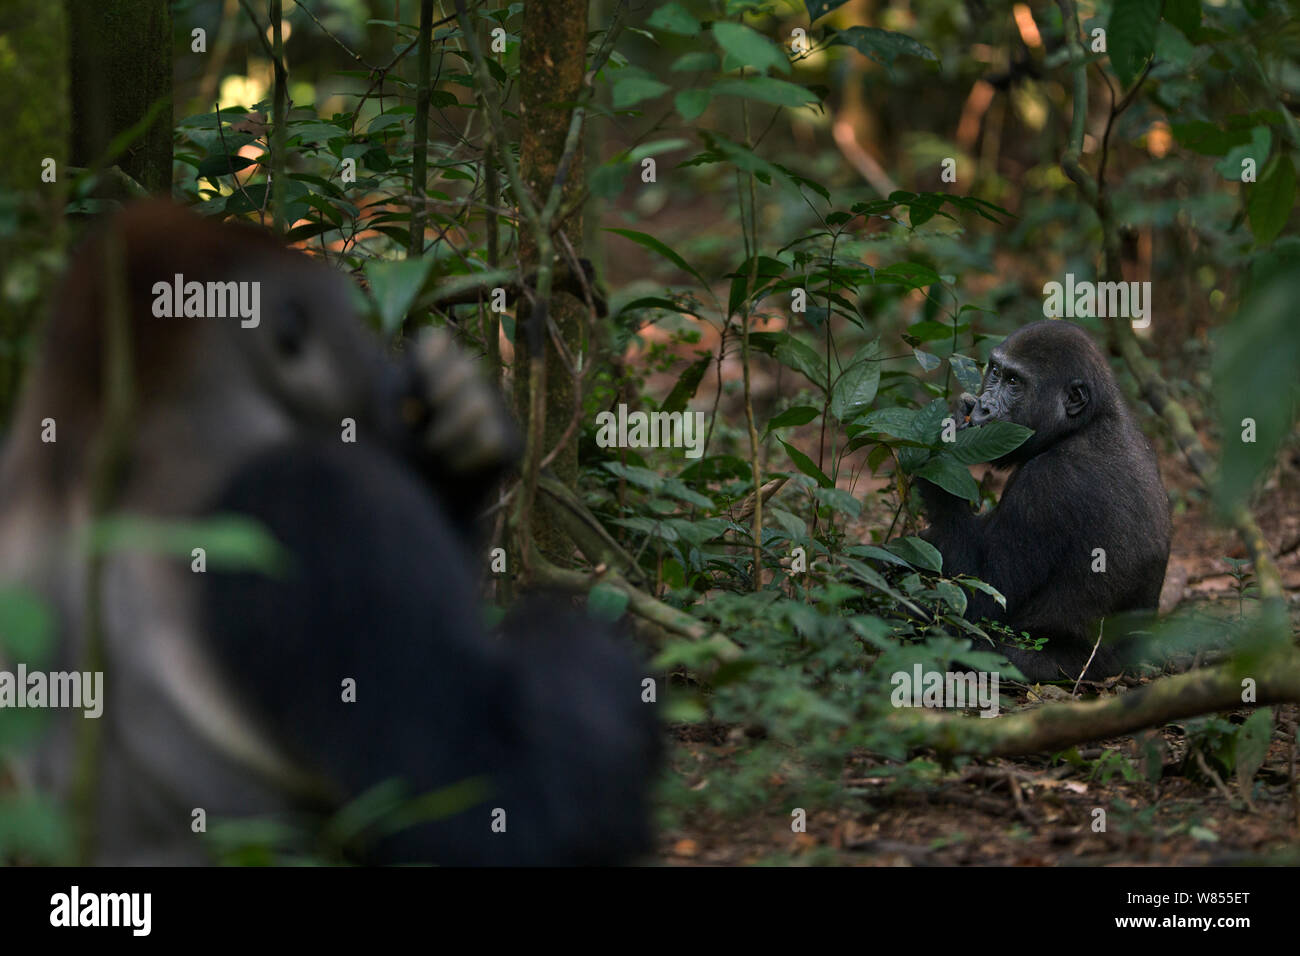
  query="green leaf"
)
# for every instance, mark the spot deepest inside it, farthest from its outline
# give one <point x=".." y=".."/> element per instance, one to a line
<point x="307" y="231"/>
<point x="927" y="360"/>
<point x="883" y="46"/>
<point x="370" y="809"/>
<point x="1185" y="15"/>
<point x="876" y="580"/>
<point x="1255" y="364"/>
<point x="950" y="475"/>
<point x="642" y="477"/>
<point x="766" y="89"/>
<point x="749" y="48"/>
<point x="394" y="285"/>
<point x="856" y="388"/>
<point x="878" y="554"/>
<point x="917" y="552"/>
<point x="651" y="527"/>
<point x="657" y="147"/>
<point x="914" y="275"/>
<point x="216" y="166"/>
<point x="699" y="531"/>
<point x="691" y="104"/>
<point x="967" y="372"/>
<point x="1131" y="37"/>
<point x="839" y="500"/>
<point x="807" y="465"/>
<point x="607" y="179"/>
<point x="744" y="158"/>
<point x="649" y="302"/>
<point x="34" y="827"/>
<point x="924" y="208"/>
<point x="687" y="383"/>
<point x="899" y="422"/>
<point x="988" y="442"/>
<point x="317" y="132"/>
<point x="1272" y="200"/>
<point x="793" y="526"/>
<point x="798" y="415"/>
<point x="229" y="541"/>
<point x="928" y="330"/>
<point x="1252" y="747"/>
<point x="606" y="603"/>
<point x="26" y="626"/>
<point x="953" y="595"/>
<point x="1261" y="143"/>
<point x="697" y="61"/>
<point x="634" y="85"/>
<point x="1208" y="139"/>
<point x="789" y="351"/>
<point x="654" y="245"/>
<point x="929" y="422"/>
<point x="673" y="18"/>
<point x="978" y="585"/>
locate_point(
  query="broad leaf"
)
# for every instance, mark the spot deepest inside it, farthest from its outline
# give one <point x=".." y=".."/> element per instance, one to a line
<point x="988" y="442"/>
<point x="394" y="284"/>
<point x="807" y="465"/>
<point x="766" y="89"/>
<point x="653" y="244"/>
<point x="917" y="552"/>
<point x="1131" y="37"/>
<point x="798" y="415"/>
<point x="950" y="475"/>
<point x="856" y="388"/>
<point x="1272" y="199"/>
<point x="749" y="48"/>
<point x="687" y="384"/>
<point x="883" y="46"/>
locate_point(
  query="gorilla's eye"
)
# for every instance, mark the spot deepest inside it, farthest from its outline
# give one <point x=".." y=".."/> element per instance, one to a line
<point x="1012" y="378"/>
<point x="291" y="330"/>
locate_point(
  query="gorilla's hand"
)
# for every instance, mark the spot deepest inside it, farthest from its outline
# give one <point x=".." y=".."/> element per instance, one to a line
<point x="962" y="411"/>
<point x="462" y="422"/>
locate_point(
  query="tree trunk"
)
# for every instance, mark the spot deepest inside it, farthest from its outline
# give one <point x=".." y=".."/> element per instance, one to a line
<point x="552" y="58"/>
<point x="121" y="57"/>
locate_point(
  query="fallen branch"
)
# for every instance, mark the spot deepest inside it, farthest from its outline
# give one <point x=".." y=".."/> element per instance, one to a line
<point x="657" y="612"/>
<point x="1058" y="726"/>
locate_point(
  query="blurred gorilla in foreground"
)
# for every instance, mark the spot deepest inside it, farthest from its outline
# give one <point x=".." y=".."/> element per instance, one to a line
<point x="361" y="659"/>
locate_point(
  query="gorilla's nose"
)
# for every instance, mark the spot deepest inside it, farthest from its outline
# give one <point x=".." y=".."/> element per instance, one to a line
<point x="981" y="413"/>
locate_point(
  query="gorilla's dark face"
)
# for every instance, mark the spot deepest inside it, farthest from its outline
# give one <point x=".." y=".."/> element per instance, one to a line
<point x="1042" y="377"/>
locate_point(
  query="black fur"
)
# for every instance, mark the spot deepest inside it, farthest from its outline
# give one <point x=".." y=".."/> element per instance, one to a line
<point x="381" y="590"/>
<point x="1086" y="479"/>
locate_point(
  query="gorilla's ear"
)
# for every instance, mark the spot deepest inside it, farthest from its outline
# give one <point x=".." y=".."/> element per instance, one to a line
<point x="1076" y="397"/>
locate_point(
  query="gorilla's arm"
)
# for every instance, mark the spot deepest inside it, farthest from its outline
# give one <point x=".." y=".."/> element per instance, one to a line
<point x="553" y="727"/>
<point x="991" y="546"/>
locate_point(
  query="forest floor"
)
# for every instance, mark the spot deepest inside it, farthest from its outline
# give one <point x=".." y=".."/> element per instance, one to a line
<point x="1035" y="811"/>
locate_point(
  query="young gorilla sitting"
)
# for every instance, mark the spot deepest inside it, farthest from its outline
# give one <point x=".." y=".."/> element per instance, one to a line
<point x="1085" y="485"/>
<point x="364" y="660"/>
